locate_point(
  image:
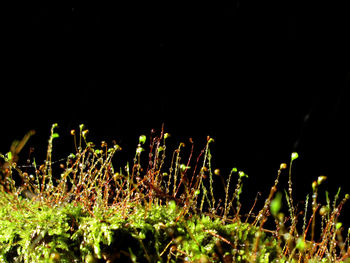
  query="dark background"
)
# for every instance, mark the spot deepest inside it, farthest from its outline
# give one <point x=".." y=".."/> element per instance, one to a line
<point x="262" y="80"/>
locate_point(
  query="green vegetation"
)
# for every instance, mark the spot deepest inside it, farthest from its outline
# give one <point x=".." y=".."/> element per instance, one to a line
<point x="160" y="207"/>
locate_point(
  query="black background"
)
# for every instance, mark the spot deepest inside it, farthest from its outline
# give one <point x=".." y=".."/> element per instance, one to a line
<point x="262" y="80"/>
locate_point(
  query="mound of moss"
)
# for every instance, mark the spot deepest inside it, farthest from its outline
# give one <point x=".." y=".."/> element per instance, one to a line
<point x="34" y="232"/>
<point x="158" y="209"/>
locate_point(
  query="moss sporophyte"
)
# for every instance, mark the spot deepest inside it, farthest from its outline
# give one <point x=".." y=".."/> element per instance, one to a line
<point x="159" y="207"/>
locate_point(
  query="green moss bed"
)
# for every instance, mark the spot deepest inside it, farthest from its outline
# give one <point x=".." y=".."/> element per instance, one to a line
<point x="158" y="207"/>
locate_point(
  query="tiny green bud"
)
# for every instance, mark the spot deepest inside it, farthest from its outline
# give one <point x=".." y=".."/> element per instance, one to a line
<point x="204" y="169"/>
<point x="321" y="179"/>
<point x="217" y="172"/>
<point x="90" y="144"/>
<point x="160" y="149"/>
<point x="347" y="196"/>
<point x="139" y="150"/>
<point x="116" y="176"/>
<point x="84" y="133"/>
<point x="283" y="166"/>
<point x="280" y="217"/>
<point x="323" y="210"/>
<point x="314" y="185"/>
<point x="142" y="139"/>
<point x="9" y="156"/>
<point x="338" y="225"/>
<point x="234" y="170"/>
<point x="167" y="135"/>
<point x="184" y="167"/>
<point x="55" y="135"/>
<point x="295" y="155"/>
<point x="242" y="174"/>
<point x="276" y="204"/>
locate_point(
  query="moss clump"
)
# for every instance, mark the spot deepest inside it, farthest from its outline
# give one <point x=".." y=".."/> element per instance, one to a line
<point x="38" y="233"/>
<point x="159" y="209"/>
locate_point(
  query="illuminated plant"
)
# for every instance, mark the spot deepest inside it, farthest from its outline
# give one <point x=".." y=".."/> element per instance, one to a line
<point x="158" y="207"/>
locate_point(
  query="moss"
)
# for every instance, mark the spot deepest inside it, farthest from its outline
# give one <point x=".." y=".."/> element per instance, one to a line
<point x="162" y="210"/>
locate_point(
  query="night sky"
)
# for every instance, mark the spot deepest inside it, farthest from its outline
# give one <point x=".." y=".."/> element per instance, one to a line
<point x="263" y="83"/>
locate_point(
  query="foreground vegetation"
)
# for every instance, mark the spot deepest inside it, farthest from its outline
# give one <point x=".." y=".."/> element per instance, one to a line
<point x="161" y="207"/>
